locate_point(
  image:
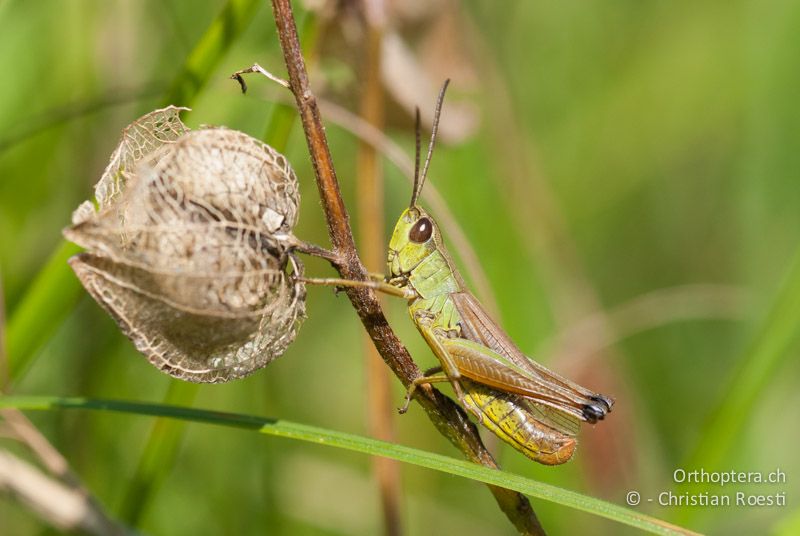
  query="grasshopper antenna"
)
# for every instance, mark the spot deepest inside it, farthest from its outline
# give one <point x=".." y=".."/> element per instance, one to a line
<point x="416" y="190"/>
<point x="419" y="179"/>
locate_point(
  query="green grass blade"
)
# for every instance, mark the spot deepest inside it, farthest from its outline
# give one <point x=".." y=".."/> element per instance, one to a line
<point x="202" y="61"/>
<point x="48" y="300"/>
<point x="770" y="348"/>
<point x="364" y="445"/>
<point x="158" y="456"/>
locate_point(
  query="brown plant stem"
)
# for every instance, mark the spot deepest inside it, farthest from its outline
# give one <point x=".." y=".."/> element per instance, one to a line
<point x="370" y="212"/>
<point x="448" y="418"/>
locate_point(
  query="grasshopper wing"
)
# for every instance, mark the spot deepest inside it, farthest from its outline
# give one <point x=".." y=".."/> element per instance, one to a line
<point x="507" y="368"/>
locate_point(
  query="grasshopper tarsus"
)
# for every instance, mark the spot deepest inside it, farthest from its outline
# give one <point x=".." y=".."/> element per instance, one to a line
<point x="409" y="393"/>
<point x="432" y="375"/>
<point x="597" y="412"/>
<point x="608" y="402"/>
<point x="592" y="413"/>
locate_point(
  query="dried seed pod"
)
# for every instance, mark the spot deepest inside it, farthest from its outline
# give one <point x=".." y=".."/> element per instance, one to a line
<point x="190" y="248"/>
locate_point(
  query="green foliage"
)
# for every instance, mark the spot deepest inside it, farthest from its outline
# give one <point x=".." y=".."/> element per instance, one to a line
<point x="360" y="444"/>
<point x="649" y="145"/>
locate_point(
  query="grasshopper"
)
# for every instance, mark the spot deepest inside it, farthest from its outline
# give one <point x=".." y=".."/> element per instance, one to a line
<point x="526" y="405"/>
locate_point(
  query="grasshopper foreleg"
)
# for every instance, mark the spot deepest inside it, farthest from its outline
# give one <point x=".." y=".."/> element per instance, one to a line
<point x="380" y="286"/>
<point x="447" y="372"/>
<point x="432" y="375"/>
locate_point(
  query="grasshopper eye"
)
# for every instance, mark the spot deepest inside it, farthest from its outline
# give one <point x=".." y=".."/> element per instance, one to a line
<point x="421" y="232"/>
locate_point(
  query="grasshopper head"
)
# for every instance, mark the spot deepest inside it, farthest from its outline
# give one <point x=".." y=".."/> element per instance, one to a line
<point x="415" y="236"/>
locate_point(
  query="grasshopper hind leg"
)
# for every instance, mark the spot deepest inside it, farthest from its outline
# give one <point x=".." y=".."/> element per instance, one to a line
<point x="537" y="431"/>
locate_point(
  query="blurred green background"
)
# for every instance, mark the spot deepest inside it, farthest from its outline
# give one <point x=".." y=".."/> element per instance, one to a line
<point x="632" y="189"/>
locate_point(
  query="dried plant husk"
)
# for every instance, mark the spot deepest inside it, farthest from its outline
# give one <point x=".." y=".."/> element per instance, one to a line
<point x="190" y="248"/>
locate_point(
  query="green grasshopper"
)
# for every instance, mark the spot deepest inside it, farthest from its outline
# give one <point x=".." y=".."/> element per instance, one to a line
<point x="526" y="405"/>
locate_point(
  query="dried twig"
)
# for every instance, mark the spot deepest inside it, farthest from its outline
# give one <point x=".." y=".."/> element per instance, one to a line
<point x="451" y="421"/>
<point x="370" y="211"/>
<point x="62" y="506"/>
<point x="61" y="500"/>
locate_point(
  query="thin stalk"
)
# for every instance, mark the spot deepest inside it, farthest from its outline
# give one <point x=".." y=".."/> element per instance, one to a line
<point x="371" y="232"/>
<point x="449" y="419"/>
<point x="770" y="349"/>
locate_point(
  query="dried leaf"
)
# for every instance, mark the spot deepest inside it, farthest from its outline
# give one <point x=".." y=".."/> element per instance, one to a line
<point x="190" y="250"/>
<point x="140" y="138"/>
